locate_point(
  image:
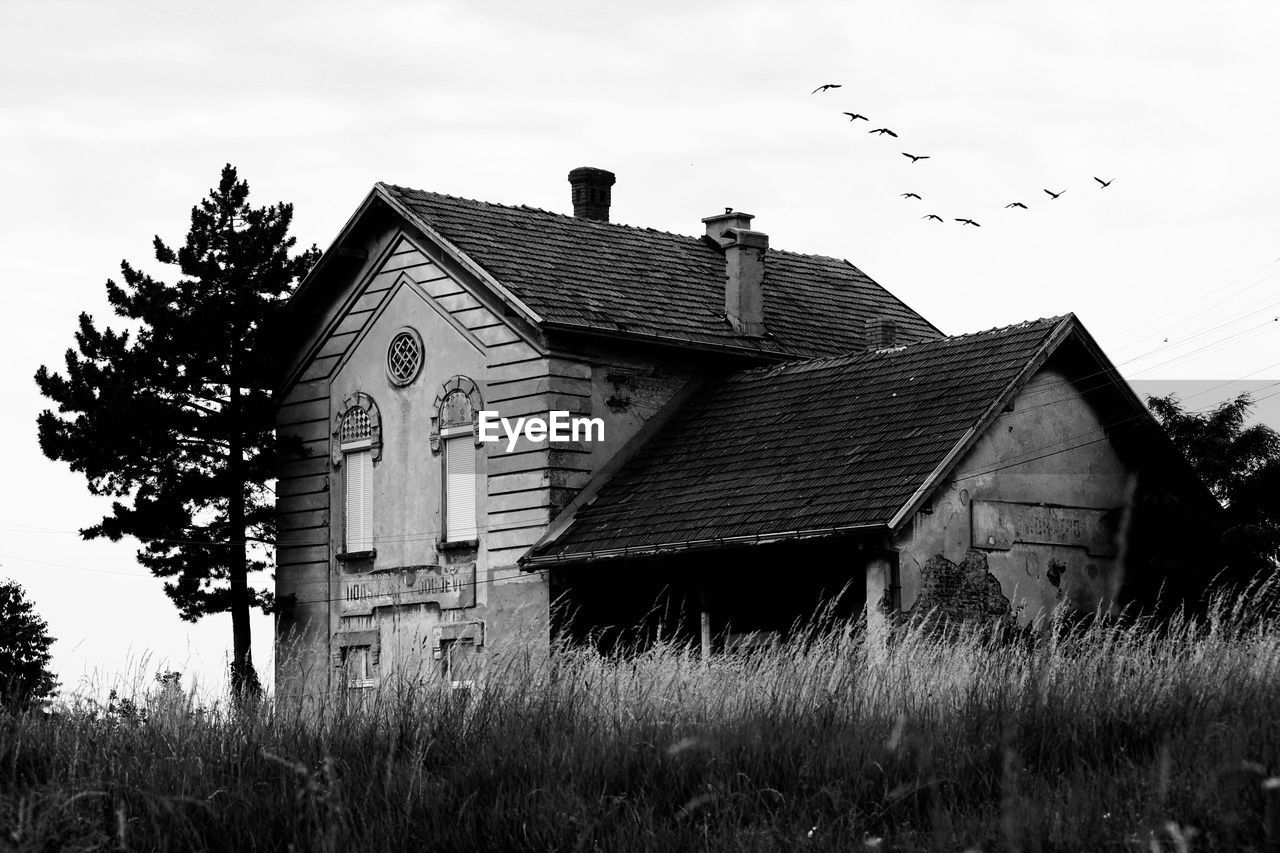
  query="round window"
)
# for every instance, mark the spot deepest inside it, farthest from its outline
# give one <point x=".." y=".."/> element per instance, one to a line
<point x="404" y="357"/>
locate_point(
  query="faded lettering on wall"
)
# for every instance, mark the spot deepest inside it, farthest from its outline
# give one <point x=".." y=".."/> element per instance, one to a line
<point x="999" y="524"/>
<point x="451" y="586"/>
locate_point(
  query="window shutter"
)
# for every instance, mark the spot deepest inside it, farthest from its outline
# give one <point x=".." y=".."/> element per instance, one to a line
<point x="359" y="479"/>
<point x="460" y="488"/>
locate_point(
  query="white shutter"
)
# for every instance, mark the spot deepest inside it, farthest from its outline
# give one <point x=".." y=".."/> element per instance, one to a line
<point x="460" y="488"/>
<point x="359" y="479"/>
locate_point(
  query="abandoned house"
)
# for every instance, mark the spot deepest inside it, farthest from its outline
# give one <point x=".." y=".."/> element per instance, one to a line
<point x="768" y="430"/>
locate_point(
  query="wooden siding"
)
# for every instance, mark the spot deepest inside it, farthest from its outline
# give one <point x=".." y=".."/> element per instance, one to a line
<point x="524" y="487"/>
<point x="529" y="485"/>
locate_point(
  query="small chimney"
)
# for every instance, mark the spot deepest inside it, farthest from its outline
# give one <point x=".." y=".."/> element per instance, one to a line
<point x="717" y="225"/>
<point x="744" y="280"/>
<point x="881" y="333"/>
<point x="591" y="192"/>
<point x="744" y="252"/>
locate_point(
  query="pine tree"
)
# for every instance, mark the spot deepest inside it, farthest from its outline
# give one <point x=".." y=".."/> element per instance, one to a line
<point x="24" y="650"/>
<point x="173" y="415"/>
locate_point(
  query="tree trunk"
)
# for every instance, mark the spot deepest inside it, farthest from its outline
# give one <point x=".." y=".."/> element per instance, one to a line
<point x="244" y="680"/>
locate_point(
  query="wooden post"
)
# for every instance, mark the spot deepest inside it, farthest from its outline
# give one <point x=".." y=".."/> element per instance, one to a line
<point x="705" y="627"/>
<point x="879" y="580"/>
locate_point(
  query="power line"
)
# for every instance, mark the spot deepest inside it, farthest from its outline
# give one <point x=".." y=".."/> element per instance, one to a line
<point x="76" y="568"/>
<point x="1187" y="305"/>
<point x="1204" y="296"/>
<point x="1063" y="446"/>
<point x="427" y="534"/>
<point x="475" y="583"/>
<point x="1232" y="382"/>
<point x="433" y="533"/>
<point x="1254" y="310"/>
<point x="1104" y="372"/>
<point x="1224" y="343"/>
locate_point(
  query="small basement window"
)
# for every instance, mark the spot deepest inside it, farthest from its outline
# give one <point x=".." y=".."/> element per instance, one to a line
<point x="457" y="663"/>
<point x="358" y="665"/>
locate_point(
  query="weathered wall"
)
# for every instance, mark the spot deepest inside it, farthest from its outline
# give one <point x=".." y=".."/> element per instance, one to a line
<point x="407" y="479"/>
<point x="410" y="595"/>
<point x="411" y="598"/>
<point x="303" y="555"/>
<point x="629" y="387"/>
<point x="1027" y="519"/>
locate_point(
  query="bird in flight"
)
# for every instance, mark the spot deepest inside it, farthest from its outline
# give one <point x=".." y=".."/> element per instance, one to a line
<point x="825" y="86"/>
<point x="1016" y="204"/>
<point x="882" y="131"/>
<point x="910" y="195"/>
<point x="932" y="216"/>
<point x="969" y="222"/>
<point x="915" y="157"/>
<point x="854" y="116"/>
<point x="1054" y="194"/>
<point x="1105" y="184"/>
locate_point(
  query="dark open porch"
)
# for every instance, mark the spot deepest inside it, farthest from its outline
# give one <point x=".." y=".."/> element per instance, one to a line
<point x="749" y="594"/>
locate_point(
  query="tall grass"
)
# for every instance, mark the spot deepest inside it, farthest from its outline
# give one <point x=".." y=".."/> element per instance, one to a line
<point x="1107" y="737"/>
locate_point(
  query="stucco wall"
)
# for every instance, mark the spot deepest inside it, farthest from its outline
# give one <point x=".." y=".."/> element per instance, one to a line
<point x="407" y="479"/>
<point x="627" y="389"/>
<point x="1044" y="491"/>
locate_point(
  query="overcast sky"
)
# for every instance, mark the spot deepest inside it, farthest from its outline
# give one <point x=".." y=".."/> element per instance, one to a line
<point x="115" y="118"/>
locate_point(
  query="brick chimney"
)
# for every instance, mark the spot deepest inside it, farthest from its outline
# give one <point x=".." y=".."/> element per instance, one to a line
<point x="591" y="192"/>
<point x="881" y="333"/>
<point x="744" y="255"/>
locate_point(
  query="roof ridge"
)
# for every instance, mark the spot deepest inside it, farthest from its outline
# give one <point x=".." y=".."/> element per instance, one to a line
<point x="1054" y="320"/>
<point x="530" y="209"/>
<point x="595" y="222"/>
<point x="849" y="357"/>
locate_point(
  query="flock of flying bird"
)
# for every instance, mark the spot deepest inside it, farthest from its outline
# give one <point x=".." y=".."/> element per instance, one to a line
<point x="916" y="158"/>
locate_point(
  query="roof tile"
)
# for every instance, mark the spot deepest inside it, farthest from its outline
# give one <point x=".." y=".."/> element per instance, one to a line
<point x="609" y="277"/>
<point x="806" y="446"/>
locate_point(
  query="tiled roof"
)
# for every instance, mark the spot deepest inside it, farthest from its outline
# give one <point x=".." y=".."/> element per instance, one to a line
<point x="820" y="445"/>
<point x="617" y="278"/>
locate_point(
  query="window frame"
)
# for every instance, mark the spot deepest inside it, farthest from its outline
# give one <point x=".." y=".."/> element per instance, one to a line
<point x="448" y="665"/>
<point x="392" y="377"/>
<point x="457" y="434"/>
<point x="365" y="679"/>
<point x="366" y="446"/>
<point x="444" y="429"/>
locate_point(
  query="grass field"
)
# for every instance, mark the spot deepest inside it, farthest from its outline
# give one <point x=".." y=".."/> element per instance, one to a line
<point x="1102" y="738"/>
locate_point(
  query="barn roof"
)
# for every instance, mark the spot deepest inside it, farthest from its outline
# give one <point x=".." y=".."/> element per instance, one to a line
<point x="806" y="448"/>
<point x="580" y="274"/>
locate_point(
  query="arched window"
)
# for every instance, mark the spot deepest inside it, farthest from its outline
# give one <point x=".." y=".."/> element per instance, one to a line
<point x="357" y="446"/>
<point x="454" y="437"/>
<point x="457" y="431"/>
